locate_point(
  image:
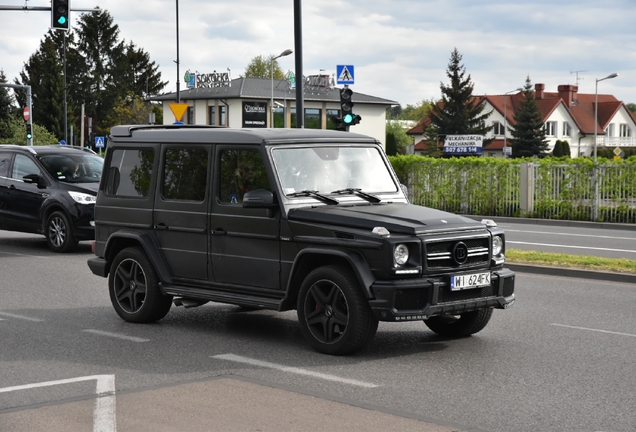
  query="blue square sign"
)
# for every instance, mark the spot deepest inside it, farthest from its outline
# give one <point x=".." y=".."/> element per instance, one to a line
<point x="345" y="74"/>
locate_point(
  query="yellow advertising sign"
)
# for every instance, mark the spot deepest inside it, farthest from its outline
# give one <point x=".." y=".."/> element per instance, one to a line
<point x="617" y="158"/>
<point x="178" y="109"/>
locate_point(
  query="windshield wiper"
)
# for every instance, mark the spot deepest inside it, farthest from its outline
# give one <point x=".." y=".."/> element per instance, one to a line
<point x="359" y="192"/>
<point x="315" y="194"/>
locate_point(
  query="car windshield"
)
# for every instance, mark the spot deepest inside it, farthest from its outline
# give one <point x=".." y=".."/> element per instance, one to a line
<point x="327" y="169"/>
<point x="75" y="168"/>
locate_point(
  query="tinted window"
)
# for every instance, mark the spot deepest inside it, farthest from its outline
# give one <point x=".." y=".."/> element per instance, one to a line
<point x="241" y="171"/>
<point x="5" y="159"/>
<point x="130" y="173"/>
<point x="185" y="174"/>
<point x="22" y="166"/>
<point x="74" y="168"/>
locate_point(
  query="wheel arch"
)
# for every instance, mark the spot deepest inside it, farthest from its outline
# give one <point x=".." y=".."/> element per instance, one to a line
<point x="123" y="239"/>
<point x="311" y="258"/>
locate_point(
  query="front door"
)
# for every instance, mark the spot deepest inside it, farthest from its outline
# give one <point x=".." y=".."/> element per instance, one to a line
<point x="23" y="200"/>
<point x="181" y="204"/>
<point x="245" y="246"/>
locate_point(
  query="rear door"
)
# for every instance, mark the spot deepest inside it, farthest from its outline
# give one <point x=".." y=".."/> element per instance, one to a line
<point x="245" y="245"/>
<point x="181" y="203"/>
<point x="5" y="164"/>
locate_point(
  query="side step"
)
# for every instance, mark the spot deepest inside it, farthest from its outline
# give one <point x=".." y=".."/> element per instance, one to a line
<point x="191" y="296"/>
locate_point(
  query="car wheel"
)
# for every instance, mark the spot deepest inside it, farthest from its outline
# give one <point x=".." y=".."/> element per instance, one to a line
<point x="333" y="313"/>
<point x="456" y="326"/>
<point x="134" y="288"/>
<point x="59" y="232"/>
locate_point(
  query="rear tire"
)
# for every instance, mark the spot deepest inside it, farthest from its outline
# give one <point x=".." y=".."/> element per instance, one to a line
<point x="457" y="326"/>
<point x="333" y="313"/>
<point x="59" y="232"/>
<point x="133" y="285"/>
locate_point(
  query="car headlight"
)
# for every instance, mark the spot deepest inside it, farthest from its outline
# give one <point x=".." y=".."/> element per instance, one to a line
<point x="83" y="198"/>
<point x="497" y="245"/>
<point x="401" y="254"/>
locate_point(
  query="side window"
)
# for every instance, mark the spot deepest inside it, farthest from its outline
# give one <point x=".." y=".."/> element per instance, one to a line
<point x="130" y="173"/>
<point x="22" y="166"/>
<point x="185" y="174"/>
<point x="241" y="171"/>
<point x="5" y="160"/>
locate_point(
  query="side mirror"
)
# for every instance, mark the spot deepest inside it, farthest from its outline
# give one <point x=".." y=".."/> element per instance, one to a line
<point x="259" y="198"/>
<point x="31" y="178"/>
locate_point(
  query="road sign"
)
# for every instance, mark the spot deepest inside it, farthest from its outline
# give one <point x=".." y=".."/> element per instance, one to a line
<point x="178" y="109"/>
<point x="62" y="142"/>
<point x="99" y="142"/>
<point x="26" y="114"/>
<point x="345" y="74"/>
<point x="617" y="151"/>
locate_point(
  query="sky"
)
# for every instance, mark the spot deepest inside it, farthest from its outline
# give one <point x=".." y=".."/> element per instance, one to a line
<point x="400" y="49"/>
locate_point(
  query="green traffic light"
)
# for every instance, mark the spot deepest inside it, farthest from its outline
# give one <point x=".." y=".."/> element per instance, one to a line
<point x="348" y="118"/>
<point x="61" y="20"/>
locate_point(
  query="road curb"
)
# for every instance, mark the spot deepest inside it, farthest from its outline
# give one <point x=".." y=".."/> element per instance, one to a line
<point x="571" y="272"/>
<point x="557" y="222"/>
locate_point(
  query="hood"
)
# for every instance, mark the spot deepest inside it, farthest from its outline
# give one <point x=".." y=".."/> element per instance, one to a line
<point x="397" y="218"/>
<point x="90" y="188"/>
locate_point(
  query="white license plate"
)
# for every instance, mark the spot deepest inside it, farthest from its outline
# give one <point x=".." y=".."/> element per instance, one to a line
<point x="468" y="281"/>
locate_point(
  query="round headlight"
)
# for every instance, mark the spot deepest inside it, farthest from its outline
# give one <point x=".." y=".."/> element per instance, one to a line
<point x="401" y="254"/>
<point x="497" y="245"/>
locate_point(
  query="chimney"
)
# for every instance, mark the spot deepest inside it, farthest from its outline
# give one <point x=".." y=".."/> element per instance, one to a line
<point x="538" y="90"/>
<point x="568" y="94"/>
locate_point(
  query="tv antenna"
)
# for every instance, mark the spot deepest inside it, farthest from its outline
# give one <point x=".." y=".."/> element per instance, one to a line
<point x="577" y="75"/>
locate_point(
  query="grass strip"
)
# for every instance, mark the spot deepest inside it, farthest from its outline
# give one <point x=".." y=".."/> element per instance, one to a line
<point x="621" y="265"/>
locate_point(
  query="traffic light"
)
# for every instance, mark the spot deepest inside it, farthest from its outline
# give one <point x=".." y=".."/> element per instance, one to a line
<point x="60" y="14"/>
<point x="346" y="105"/>
<point x="29" y="131"/>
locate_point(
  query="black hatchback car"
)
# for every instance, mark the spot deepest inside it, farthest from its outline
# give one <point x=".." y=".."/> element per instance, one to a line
<point x="49" y="190"/>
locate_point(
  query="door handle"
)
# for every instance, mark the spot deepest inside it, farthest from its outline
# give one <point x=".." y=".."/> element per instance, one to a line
<point x="161" y="226"/>
<point x="219" y="232"/>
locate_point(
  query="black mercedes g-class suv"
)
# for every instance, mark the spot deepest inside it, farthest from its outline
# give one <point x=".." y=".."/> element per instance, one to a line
<point x="284" y="219"/>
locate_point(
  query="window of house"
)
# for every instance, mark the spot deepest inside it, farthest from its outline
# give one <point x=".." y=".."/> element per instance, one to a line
<point x="312" y="118"/>
<point x="332" y="114"/>
<point x="550" y="128"/>
<point x="279" y="117"/>
<point x="190" y="115"/>
<point x="567" y="129"/>
<point x="130" y="173"/>
<point x="610" y="130"/>
<point x="185" y="174"/>
<point x="211" y="115"/>
<point x="497" y="128"/>
<point x="223" y="111"/>
<point x="625" y="131"/>
<point x="241" y="171"/>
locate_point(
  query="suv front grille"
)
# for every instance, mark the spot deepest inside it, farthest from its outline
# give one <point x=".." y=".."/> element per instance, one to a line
<point x="445" y="295"/>
<point x="439" y="255"/>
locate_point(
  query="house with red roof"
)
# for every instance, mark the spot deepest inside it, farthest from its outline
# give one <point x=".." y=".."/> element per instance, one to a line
<point x="567" y="115"/>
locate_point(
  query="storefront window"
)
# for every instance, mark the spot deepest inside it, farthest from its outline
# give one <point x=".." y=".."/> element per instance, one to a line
<point x="212" y="115"/>
<point x="312" y="118"/>
<point x="223" y="113"/>
<point x="279" y="117"/>
<point x="331" y="114"/>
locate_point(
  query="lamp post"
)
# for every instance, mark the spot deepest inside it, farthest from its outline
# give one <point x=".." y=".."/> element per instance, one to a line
<point x="614" y="75"/>
<point x="596" y="206"/>
<point x="506" y="118"/>
<point x="271" y="71"/>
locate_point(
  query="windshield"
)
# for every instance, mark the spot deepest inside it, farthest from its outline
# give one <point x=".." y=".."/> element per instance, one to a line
<point x="75" y="168"/>
<point x="326" y="169"/>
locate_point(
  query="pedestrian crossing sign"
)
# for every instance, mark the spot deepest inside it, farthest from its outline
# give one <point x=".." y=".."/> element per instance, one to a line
<point x="345" y="74"/>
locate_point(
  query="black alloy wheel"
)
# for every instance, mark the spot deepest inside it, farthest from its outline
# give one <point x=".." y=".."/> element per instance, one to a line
<point x="334" y="315"/>
<point x="134" y="288"/>
<point x="59" y="232"/>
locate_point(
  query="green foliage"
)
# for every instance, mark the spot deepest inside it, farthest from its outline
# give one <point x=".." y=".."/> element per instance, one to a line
<point x="528" y="135"/>
<point x="558" y="149"/>
<point x="261" y="67"/>
<point x="130" y="110"/>
<point x="391" y="147"/>
<point x="632" y="107"/>
<point x="459" y="111"/>
<point x="396" y="137"/>
<point x="415" y="112"/>
<point x="16" y="133"/>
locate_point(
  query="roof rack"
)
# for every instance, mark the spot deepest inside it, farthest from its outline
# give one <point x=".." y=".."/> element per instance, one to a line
<point x="127" y="130"/>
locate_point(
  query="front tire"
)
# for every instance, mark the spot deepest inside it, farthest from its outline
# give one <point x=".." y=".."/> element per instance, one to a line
<point x="133" y="285"/>
<point x="457" y="326"/>
<point x="333" y="313"/>
<point x="59" y="232"/>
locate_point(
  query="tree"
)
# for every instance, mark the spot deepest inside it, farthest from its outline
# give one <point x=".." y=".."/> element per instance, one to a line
<point x="632" y="107"/>
<point x="130" y="110"/>
<point x="417" y="112"/>
<point x="16" y="133"/>
<point x="557" y="151"/>
<point x="459" y="112"/>
<point x="7" y="106"/>
<point x="396" y="136"/>
<point x="261" y="67"/>
<point x="528" y="134"/>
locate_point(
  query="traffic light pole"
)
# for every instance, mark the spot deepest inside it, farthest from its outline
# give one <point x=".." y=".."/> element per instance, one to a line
<point x="28" y="102"/>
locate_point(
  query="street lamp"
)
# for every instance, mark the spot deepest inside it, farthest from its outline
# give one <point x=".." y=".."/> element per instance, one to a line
<point x="614" y="75"/>
<point x="506" y="118"/>
<point x="271" y="70"/>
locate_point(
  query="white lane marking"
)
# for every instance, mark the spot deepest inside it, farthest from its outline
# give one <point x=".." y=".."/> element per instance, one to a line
<point x="104" y="415"/>
<point x="298" y="371"/>
<point x="571" y="247"/>
<point x="116" y="335"/>
<point x="571" y="235"/>
<point x="594" y="330"/>
<point x="10" y="315"/>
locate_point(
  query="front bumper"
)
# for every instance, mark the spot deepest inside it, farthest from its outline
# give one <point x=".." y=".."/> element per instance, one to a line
<point x="418" y="299"/>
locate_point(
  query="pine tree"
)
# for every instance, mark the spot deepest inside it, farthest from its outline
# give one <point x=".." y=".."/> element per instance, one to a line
<point x="528" y="134"/>
<point x="459" y="112"/>
<point x="557" y="151"/>
<point x="7" y="106"/>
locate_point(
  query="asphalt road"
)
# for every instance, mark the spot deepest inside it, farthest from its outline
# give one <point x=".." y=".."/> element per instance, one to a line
<point x="560" y="360"/>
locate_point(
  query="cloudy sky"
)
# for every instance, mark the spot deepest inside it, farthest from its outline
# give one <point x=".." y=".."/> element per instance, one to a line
<point x="400" y="48"/>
